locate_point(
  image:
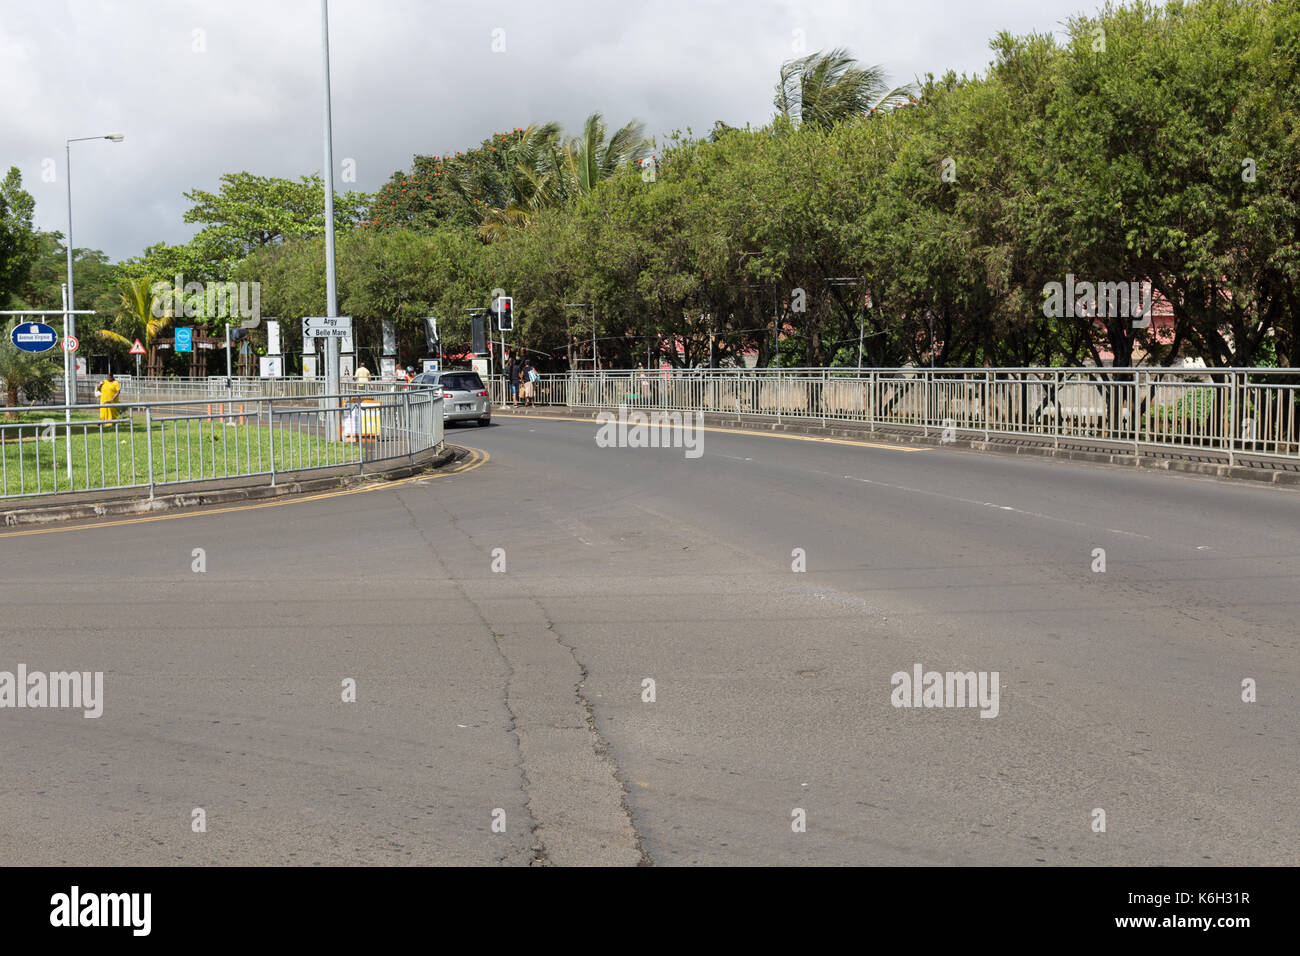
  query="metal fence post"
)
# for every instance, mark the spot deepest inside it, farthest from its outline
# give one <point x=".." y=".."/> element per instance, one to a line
<point x="1234" y="398"/>
<point x="1137" y="408"/>
<point x="270" y="435"/>
<point x="927" y="400"/>
<point x="1056" y="404"/>
<point x="872" y="398"/>
<point x="821" y="398"/>
<point x="148" y="441"/>
<point x="986" y="405"/>
<point x="410" y="453"/>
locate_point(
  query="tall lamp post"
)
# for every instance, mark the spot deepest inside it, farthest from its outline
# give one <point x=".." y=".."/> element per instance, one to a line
<point x="69" y="322"/>
<point x="332" y="385"/>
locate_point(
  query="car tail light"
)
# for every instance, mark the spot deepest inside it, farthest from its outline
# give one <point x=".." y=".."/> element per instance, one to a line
<point x="448" y="395"/>
<point x="482" y="394"/>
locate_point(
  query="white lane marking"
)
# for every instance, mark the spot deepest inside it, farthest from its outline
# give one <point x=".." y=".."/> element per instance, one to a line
<point x="991" y="504"/>
<point x="734" y="457"/>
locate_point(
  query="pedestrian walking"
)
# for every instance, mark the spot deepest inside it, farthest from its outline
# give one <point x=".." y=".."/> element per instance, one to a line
<point x="532" y="378"/>
<point x="514" y="371"/>
<point x="108" y="390"/>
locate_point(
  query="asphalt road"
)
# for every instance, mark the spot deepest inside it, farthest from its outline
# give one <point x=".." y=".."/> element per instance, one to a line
<point x="516" y="696"/>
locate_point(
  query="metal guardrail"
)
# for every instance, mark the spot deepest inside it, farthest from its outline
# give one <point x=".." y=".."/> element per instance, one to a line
<point x="209" y="435"/>
<point x="1247" y="413"/>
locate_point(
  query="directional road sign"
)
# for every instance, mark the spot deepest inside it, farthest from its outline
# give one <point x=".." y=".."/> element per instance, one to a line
<point x="326" y="327"/>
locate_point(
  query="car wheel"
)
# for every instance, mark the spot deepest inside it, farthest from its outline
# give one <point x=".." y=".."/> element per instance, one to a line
<point x="484" y="422"/>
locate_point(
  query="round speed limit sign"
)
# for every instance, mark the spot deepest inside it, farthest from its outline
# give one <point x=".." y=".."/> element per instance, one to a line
<point x="70" y="343"/>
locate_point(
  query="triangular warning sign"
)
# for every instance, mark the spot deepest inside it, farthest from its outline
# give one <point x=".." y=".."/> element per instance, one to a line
<point x="137" y="349"/>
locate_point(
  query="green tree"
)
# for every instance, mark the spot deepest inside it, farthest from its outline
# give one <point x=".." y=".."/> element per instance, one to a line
<point x="250" y="212"/>
<point x="823" y="89"/>
<point x="18" y="243"/>
<point x="543" y="173"/>
<point x="1175" y="147"/>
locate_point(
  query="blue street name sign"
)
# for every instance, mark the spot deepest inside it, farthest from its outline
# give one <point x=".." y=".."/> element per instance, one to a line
<point x="34" y="337"/>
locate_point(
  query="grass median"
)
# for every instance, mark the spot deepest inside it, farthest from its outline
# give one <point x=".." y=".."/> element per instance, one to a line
<point x="35" y="449"/>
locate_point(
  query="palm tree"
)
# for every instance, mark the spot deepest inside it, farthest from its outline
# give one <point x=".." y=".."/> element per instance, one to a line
<point x="822" y="89"/>
<point x="32" y="373"/>
<point x="135" y="317"/>
<point x="590" y="158"/>
<point x="545" y="173"/>
<point x="529" y="181"/>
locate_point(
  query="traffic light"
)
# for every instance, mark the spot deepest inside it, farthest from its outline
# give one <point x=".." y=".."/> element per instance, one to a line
<point x="502" y="310"/>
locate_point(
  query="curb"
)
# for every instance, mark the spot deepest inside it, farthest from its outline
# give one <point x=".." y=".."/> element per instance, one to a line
<point x="1266" y="476"/>
<point x="46" y="514"/>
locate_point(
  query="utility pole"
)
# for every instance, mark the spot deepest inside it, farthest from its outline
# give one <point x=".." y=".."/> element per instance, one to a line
<point x="331" y="288"/>
<point x="595" y="357"/>
<point x="852" y="281"/>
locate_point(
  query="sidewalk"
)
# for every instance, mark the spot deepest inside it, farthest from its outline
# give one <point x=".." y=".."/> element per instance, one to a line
<point x="1273" y="471"/>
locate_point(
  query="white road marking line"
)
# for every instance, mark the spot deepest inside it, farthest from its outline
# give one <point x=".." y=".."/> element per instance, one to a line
<point x="991" y="504"/>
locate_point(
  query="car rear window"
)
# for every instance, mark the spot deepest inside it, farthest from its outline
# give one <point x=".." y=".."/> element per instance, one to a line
<point x="461" y="382"/>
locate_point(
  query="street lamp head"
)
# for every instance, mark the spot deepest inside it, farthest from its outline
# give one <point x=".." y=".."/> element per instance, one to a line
<point x="115" y="137"/>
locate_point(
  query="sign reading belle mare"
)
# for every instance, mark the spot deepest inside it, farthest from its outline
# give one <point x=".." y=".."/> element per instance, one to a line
<point x="34" y="337"/>
<point x="184" y="340"/>
<point x="327" y="327"/>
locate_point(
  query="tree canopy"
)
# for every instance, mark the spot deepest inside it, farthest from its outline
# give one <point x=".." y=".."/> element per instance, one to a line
<point x="1154" y="143"/>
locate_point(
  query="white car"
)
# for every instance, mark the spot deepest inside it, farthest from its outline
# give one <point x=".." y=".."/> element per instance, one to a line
<point x="464" y="396"/>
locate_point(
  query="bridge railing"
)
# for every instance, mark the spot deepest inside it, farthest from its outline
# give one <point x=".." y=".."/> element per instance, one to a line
<point x="1236" y="413"/>
<point x="131" y="444"/>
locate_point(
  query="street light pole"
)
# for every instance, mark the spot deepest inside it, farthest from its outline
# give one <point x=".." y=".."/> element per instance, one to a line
<point x="69" y="320"/>
<point x="331" y="289"/>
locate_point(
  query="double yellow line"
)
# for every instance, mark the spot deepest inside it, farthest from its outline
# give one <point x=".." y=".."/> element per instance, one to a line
<point x="476" y="459"/>
<point x="731" y="431"/>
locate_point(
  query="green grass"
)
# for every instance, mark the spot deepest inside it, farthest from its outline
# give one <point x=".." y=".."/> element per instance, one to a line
<point x="114" y="454"/>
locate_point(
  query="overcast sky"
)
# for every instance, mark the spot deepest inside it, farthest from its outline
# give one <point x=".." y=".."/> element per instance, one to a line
<point x="201" y="88"/>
